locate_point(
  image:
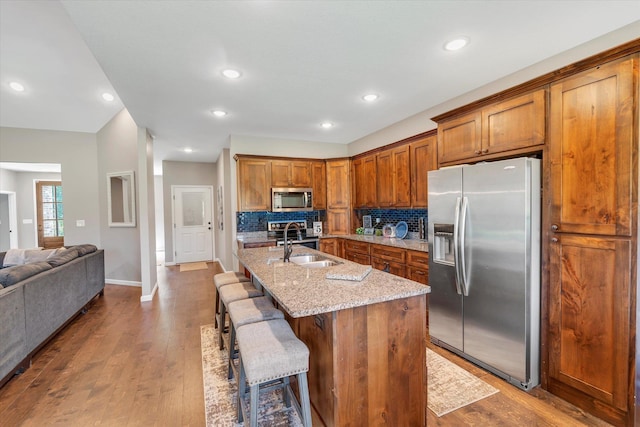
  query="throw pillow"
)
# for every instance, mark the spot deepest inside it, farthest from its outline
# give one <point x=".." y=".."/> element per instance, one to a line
<point x="62" y="258"/>
<point x="12" y="275"/>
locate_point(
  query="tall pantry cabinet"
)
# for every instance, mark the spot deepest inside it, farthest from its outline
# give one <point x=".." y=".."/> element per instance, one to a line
<point x="593" y="196"/>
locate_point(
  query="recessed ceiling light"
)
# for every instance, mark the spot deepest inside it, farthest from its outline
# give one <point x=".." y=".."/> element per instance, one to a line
<point x="16" y="86"/>
<point x="326" y="125"/>
<point x="188" y="150"/>
<point x="457" y="43"/>
<point x="108" y="97"/>
<point x="231" y="74"/>
<point x="370" y="97"/>
<point x="219" y="113"/>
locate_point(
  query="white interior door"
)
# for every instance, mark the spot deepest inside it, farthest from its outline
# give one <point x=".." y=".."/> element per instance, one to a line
<point x="192" y="229"/>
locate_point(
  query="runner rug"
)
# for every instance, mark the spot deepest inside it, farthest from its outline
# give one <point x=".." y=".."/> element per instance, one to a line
<point x="191" y="266"/>
<point x="449" y="388"/>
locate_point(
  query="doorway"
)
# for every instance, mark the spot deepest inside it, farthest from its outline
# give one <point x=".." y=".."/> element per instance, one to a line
<point x="192" y="216"/>
<point x="50" y="214"/>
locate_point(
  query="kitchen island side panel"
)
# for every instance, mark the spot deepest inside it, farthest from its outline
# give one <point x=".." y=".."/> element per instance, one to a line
<point x="376" y="371"/>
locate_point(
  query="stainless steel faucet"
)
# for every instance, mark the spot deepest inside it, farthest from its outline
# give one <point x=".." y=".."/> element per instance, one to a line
<point x="287" y="245"/>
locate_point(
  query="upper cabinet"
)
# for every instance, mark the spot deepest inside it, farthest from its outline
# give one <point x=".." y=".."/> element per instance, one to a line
<point x="516" y="125"/>
<point x="291" y="173"/>
<point x="254" y="184"/>
<point x="423" y="159"/>
<point x="338" y="197"/>
<point x="591" y="142"/>
<point x="364" y="173"/>
<point x="319" y="184"/>
<point x="393" y="170"/>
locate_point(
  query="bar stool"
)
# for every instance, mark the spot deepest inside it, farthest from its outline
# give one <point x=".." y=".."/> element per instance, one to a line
<point x="270" y="351"/>
<point x="222" y="279"/>
<point x="229" y="294"/>
<point x="244" y="312"/>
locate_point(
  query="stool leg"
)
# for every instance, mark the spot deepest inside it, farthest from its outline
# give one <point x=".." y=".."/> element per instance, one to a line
<point x="232" y="347"/>
<point x="221" y="325"/>
<point x="215" y="315"/>
<point x="303" y="387"/>
<point x="253" y="416"/>
<point x="241" y="391"/>
<point x="286" y="392"/>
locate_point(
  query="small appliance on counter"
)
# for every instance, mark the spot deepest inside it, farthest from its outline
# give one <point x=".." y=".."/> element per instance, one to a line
<point x="389" y="230"/>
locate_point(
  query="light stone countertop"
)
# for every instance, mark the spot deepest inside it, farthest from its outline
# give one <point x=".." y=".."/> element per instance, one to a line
<point x="303" y="291"/>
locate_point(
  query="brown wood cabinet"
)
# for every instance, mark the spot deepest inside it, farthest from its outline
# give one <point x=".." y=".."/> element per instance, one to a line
<point x="364" y="177"/>
<point x="393" y="170"/>
<point x="330" y="246"/>
<point x="338" y="197"/>
<point x="254" y="184"/>
<point x="319" y="184"/>
<point x="389" y="259"/>
<point x="508" y="127"/>
<point x="291" y="173"/>
<point x="418" y="266"/>
<point x="423" y="156"/>
<point x="592" y="238"/>
<point x="357" y="252"/>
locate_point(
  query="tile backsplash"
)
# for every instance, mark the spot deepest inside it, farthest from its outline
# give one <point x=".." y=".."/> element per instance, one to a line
<point x="392" y="216"/>
<point x="257" y="221"/>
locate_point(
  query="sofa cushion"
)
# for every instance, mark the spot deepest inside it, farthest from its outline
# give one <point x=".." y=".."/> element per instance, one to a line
<point x="84" y="249"/>
<point x="62" y="257"/>
<point x="12" y="275"/>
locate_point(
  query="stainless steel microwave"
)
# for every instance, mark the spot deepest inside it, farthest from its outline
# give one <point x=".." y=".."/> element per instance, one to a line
<point x="291" y="199"/>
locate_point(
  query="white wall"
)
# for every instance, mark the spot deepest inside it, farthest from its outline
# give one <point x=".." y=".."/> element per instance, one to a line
<point x="224" y="236"/>
<point x="117" y="144"/>
<point x="78" y="155"/>
<point x="147" y="220"/>
<point x="158" y="189"/>
<point x="421" y="122"/>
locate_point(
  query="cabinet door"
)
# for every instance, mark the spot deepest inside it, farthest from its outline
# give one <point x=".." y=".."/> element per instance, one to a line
<point x="423" y="159"/>
<point x="364" y="182"/>
<point x="338" y="184"/>
<point x="388" y="266"/>
<point x="514" y="124"/>
<point x="254" y="185"/>
<point x="338" y="221"/>
<point x="384" y="165"/>
<point x="590" y="148"/>
<point x="359" y="183"/>
<point x="329" y="246"/>
<point x="300" y="173"/>
<point x="460" y="138"/>
<point x="401" y="170"/>
<point x="280" y="175"/>
<point x="319" y="185"/>
<point x="358" y="258"/>
<point x="589" y="319"/>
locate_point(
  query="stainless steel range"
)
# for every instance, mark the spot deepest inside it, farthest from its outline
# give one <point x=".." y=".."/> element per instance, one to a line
<point x="275" y="230"/>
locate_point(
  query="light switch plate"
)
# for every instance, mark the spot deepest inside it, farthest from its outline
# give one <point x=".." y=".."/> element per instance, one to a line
<point x="80" y="223"/>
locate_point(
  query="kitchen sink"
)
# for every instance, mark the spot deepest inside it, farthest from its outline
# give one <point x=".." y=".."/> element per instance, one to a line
<point x="308" y="261"/>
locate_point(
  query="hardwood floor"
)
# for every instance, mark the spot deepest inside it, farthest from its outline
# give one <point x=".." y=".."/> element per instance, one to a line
<point x="126" y="363"/>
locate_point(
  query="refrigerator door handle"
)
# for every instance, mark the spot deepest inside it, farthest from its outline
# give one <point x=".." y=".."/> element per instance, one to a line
<point x="462" y="231"/>
<point x="456" y="248"/>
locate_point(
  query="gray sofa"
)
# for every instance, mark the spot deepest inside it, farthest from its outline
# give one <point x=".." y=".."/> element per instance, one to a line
<point x="38" y="299"/>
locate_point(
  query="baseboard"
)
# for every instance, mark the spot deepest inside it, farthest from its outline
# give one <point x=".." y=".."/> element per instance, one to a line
<point x="123" y="282"/>
<point x="147" y="298"/>
<point x="169" y="264"/>
<point x="221" y="265"/>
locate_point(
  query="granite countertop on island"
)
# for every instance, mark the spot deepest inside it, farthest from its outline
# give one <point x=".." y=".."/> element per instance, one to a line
<point x="303" y="291"/>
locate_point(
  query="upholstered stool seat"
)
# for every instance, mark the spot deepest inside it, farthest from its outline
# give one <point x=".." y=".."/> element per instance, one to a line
<point x="244" y="312"/>
<point x="229" y="294"/>
<point x="270" y="351"/>
<point x="222" y="279"/>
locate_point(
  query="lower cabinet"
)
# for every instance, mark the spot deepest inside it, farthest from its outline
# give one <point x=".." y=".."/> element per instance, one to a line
<point x="330" y="246"/>
<point x="418" y="266"/>
<point x="589" y="324"/>
<point x="357" y="252"/>
<point x="389" y="259"/>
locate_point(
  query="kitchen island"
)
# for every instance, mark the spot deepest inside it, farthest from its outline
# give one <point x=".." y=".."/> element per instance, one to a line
<point x="367" y="337"/>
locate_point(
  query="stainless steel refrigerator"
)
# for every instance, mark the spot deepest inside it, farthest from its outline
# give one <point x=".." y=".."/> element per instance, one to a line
<point x="484" y="265"/>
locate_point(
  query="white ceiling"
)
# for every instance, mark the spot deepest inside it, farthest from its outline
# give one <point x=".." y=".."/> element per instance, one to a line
<point x="303" y="62"/>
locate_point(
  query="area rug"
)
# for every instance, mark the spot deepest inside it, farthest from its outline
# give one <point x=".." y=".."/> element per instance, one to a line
<point x="191" y="266"/>
<point x="450" y="387"/>
<point x="220" y="394"/>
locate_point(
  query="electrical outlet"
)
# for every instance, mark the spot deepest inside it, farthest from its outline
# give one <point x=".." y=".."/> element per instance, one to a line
<point x="377" y="220"/>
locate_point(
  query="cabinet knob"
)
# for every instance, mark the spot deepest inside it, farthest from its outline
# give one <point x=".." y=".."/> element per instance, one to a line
<point x="485" y="151"/>
<point x="554" y="240"/>
<point x="477" y="152"/>
<point x="554" y="227"/>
